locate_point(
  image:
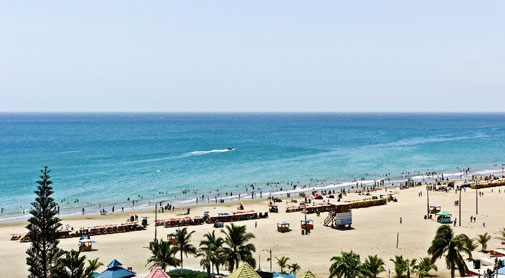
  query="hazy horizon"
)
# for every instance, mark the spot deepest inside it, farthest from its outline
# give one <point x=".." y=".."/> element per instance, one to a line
<point x="282" y="56"/>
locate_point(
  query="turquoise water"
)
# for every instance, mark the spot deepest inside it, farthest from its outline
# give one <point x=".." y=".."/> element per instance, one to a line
<point x="107" y="158"/>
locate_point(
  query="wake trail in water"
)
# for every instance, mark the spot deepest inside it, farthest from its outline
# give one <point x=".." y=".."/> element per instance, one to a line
<point x="208" y="152"/>
<point x="194" y="153"/>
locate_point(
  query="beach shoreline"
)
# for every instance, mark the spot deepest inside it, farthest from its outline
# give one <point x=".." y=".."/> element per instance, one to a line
<point x="149" y="203"/>
<point x="374" y="230"/>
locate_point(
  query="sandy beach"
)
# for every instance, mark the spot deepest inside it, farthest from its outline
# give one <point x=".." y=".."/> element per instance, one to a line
<point x="374" y="232"/>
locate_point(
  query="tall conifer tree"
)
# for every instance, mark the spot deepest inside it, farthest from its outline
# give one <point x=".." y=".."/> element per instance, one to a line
<point x="44" y="252"/>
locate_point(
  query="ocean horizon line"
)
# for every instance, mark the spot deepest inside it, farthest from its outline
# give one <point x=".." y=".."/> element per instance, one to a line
<point x="261" y="112"/>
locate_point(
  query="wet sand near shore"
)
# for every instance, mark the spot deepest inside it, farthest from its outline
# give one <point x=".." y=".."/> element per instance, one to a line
<point x="374" y="231"/>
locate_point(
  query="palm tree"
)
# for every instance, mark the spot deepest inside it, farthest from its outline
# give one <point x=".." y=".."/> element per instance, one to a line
<point x="373" y="266"/>
<point x="184" y="245"/>
<point x="72" y="266"/>
<point x="445" y="243"/>
<point x="294" y="268"/>
<point x="214" y="247"/>
<point x="206" y="261"/>
<point x="163" y="254"/>
<point x="93" y="265"/>
<point x="502" y="234"/>
<point x="400" y="266"/>
<point x="237" y="247"/>
<point x="470" y="245"/>
<point x="411" y="267"/>
<point x="482" y="240"/>
<point x="423" y="268"/>
<point x="347" y="265"/>
<point x="282" y="262"/>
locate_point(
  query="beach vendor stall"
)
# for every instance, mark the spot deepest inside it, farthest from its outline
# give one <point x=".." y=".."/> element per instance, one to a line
<point x="435" y="209"/>
<point x="85" y="243"/>
<point x="283" y="227"/>
<point x="172" y="237"/>
<point x="444" y="217"/>
<point x="307" y="225"/>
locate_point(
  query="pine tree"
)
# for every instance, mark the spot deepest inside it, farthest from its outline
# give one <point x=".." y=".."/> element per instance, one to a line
<point x="44" y="252"/>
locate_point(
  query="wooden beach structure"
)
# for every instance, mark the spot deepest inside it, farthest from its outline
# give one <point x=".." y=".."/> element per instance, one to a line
<point x="339" y="216"/>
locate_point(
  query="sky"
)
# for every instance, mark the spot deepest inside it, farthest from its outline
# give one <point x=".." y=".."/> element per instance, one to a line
<point x="247" y="56"/>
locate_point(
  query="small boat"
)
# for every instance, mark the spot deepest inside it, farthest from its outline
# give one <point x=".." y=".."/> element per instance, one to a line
<point x="231" y="148"/>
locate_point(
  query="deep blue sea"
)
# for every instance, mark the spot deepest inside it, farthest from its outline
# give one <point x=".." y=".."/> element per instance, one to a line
<point x="108" y="157"/>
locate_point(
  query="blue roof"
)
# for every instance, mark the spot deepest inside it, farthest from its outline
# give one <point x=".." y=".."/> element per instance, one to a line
<point x="501" y="270"/>
<point x="114" y="270"/>
<point x="114" y="263"/>
<point x="277" y="274"/>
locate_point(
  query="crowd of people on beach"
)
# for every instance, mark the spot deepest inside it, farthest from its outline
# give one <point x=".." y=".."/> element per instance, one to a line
<point x="254" y="190"/>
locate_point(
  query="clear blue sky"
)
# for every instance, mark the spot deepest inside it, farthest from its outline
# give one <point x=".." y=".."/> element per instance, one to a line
<point x="252" y="55"/>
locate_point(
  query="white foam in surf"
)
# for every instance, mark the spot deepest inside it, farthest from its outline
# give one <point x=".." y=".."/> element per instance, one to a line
<point x="211" y="151"/>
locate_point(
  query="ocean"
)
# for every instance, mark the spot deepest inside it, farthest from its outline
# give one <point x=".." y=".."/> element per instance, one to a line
<point x="100" y="159"/>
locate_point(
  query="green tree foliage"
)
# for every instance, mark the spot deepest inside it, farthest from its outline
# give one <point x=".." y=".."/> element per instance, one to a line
<point x="206" y="260"/>
<point x="212" y="248"/>
<point x="186" y="273"/>
<point x="450" y="246"/>
<point x="401" y="266"/>
<point x="283" y="263"/>
<point x="424" y="266"/>
<point x="470" y="246"/>
<point x="43" y="253"/>
<point x="372" y="266"/>
<point x="184" y="245"/>
<point x="72" y="265"/>
<point x="237" y="246"/>
<point x="294" y="268"/>
<point x="163" y="254"/>
<point x="483" y="240"/>
<point x="347" y="265"/>
<point x="501" y="233"/>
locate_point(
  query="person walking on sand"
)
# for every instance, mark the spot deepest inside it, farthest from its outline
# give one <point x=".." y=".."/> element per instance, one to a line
<point x="401" y="220"/>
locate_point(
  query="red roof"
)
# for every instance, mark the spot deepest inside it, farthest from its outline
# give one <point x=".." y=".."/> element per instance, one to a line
<point x="157" y="273"/>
